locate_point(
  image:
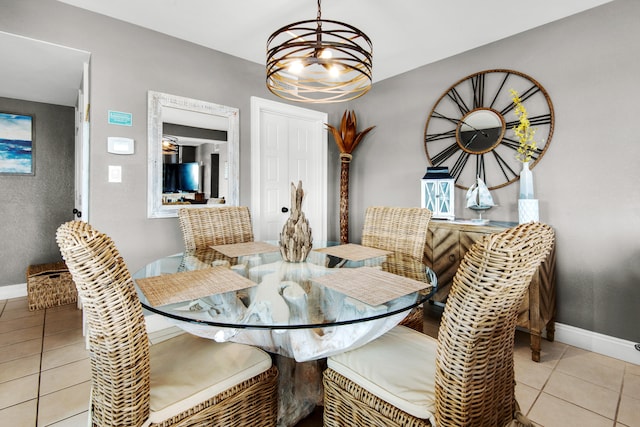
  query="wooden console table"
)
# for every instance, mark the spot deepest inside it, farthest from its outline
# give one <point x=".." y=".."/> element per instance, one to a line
<point x="447" y="243"/>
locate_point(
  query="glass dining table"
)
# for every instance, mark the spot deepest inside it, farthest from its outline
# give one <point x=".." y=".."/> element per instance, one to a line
<point x="303" y="310"/>
<point x="340" y="298"/>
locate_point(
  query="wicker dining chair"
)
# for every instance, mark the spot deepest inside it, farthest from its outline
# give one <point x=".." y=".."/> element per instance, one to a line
<point x="182" y="381"/>
<point x="404" y="232"/>
<point x="466" y="376"/>
<point x="205" y="227"/>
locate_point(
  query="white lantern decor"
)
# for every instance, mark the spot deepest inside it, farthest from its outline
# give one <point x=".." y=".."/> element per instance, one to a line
<point x="437" y="189"/>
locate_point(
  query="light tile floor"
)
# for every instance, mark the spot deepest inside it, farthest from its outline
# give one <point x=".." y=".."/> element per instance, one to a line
<point x="45" y="376"/>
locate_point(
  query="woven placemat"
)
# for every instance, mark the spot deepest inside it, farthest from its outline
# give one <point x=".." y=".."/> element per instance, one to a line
<point x="353" y="252"/>
<point x="189" y="285"/>
<point x="235" y="250"/>
<point x="370" y="285"/>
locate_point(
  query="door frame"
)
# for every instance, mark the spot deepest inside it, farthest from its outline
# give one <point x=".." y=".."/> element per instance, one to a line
<point x="259" y="105"/>
<point x="82" y="143"/>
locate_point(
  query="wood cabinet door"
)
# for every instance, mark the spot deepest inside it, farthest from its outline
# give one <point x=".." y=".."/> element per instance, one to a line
<point x="443" y="255"/>
<point x="467" y="239"/>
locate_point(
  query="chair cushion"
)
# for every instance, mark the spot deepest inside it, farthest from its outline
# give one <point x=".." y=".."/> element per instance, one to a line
<point x="398" y="367"/>
<point x="187" y="370"/>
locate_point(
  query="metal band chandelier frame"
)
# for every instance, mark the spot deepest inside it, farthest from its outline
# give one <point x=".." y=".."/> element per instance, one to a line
<point x="319" y="61"/>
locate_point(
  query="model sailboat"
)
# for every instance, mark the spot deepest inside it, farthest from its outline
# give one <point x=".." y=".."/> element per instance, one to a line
<point x="479" y="199"/>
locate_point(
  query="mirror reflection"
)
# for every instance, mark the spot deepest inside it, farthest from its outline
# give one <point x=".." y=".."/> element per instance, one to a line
<point x="480" y="131"/>
<point x="193" y="154"/>
<point x="194" y="162"/>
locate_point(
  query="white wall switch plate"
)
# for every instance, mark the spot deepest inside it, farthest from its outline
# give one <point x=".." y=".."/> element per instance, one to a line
<point x="115" y="173"/>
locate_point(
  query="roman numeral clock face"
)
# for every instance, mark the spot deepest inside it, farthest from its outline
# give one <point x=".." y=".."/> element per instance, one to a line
<point x="470" y="128"/>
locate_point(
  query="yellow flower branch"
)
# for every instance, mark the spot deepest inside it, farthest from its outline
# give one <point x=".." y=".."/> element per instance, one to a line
<point x="524" y="132"/>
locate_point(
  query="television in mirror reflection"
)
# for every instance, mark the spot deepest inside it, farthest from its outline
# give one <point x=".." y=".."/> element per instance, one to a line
<point x="191" y="163"/>
<point x="181" y="177"/>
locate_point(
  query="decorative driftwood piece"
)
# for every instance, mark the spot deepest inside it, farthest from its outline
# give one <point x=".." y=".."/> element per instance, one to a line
<point x="347" y="139"/>
<point x="295" y="238"/>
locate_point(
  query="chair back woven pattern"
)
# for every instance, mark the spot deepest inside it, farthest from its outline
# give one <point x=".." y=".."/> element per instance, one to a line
<point x="401" y="230"/>
<point x="474" y="364"/>
<point x="205" y="227"/>
<point x="404" y="232"/>
<point x="119" y="347"/>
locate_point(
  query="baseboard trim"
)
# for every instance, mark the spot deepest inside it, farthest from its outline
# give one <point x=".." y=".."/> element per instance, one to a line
<point x="581" y="338"/>
<point x="597" y="343"/>
<point x="13" y="291"/>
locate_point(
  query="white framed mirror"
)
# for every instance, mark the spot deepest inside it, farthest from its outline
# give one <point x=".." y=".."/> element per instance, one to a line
<point x="193" y="154"/>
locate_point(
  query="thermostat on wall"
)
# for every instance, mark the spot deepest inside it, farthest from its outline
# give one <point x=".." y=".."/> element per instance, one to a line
<point x="118" y="145"/>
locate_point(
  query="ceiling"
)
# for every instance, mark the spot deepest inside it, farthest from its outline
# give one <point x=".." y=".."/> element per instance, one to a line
<point x="39" y="71"/>
<point x="406" y="34"/>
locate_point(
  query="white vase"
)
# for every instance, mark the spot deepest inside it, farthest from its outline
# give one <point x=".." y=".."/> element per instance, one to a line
<point x="526" y="182"/>
<point x="528" y="211"/>
<point x="527" y="205"/>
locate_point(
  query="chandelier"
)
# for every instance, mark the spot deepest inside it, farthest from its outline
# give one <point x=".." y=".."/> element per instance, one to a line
<point x="169" y="144"/>
<point x="319" y="61"/>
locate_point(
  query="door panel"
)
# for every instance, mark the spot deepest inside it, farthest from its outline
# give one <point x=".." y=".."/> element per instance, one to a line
<point x="288" y="144"/>
<point x="274" y="158"/>
<point x="304" y="150"/>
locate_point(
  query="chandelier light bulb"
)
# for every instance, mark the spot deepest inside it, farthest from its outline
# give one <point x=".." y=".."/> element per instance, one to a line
<point x="326" y="54"/>
<point x="296" y="67"/>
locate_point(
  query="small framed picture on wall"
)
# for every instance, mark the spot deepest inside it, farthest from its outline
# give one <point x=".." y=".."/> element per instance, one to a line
<point x="17" y="144"/>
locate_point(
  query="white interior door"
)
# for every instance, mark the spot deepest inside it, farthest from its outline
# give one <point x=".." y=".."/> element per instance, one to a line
<point x="288" y="144"/>
<point x="81" y="176"/>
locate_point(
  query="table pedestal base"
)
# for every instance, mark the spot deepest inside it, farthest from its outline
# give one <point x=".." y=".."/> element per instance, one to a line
<point x="299" y="388"/>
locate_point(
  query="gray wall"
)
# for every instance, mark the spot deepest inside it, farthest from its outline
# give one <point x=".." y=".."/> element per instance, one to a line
<point x="126" y="62"/>
<point x="31" y="207"/>
<point x="586" y="182"/>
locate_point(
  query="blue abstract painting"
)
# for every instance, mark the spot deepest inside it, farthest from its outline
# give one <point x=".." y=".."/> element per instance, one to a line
<point x="16" y="144"/>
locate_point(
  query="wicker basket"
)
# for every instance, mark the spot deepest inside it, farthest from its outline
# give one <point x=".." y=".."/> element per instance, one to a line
<point x="49" y="285"/>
